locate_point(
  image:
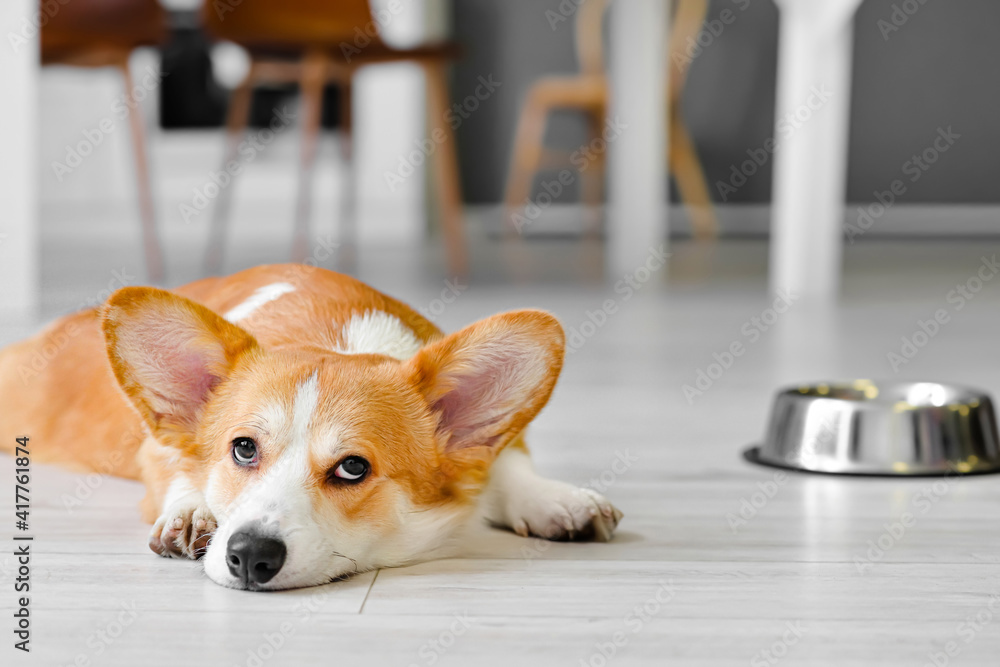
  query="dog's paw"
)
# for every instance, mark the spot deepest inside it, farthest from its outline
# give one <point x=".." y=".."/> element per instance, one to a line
<point x="183" y="530"/>
<point x="558" y="511"/>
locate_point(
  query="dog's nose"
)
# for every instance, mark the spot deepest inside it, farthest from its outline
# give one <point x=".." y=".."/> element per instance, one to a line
<point x="254" y="559"/>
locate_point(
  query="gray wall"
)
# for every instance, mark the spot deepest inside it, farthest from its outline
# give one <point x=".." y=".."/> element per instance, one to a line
<point x="940" y="69"/>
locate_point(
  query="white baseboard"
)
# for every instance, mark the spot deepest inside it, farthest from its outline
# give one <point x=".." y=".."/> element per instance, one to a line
<point x="753" y="220"/>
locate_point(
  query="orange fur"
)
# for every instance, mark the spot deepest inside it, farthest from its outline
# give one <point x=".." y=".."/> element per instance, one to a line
<point x="71" y="405"/>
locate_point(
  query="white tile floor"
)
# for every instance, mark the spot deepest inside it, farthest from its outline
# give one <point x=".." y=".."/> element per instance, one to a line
<point x="682" y="584"/>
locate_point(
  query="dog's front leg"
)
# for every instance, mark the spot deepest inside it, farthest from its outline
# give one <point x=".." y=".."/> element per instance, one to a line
<point x="520" y="499"/>
<point x="183" y="524"/>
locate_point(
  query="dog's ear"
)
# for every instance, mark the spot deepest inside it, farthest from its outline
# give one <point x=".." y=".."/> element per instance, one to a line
<point x="168" y="354"/>
<point x="487" y="381"/>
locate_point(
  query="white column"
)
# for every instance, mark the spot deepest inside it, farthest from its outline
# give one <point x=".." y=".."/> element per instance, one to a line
<point x="19" y="67"/>
<point x="812" y="115"/>
<point x="389" y="126"/>
<point x="637" y="166"/>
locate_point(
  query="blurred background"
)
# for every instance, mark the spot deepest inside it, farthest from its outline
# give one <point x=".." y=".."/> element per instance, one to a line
<point x="511" y="146"/>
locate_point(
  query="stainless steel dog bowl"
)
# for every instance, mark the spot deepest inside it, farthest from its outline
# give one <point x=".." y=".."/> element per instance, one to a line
<point x="881" y="428"/>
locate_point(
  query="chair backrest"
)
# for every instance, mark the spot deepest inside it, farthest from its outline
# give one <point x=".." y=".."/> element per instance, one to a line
<point x="290" y="23"/>
<point x="590" y="36"/>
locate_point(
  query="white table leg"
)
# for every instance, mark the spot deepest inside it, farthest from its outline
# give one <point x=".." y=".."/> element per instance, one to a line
<point x="812" y="115"/>
<point x="637" y="170"/>
<point x="19" y="70"/>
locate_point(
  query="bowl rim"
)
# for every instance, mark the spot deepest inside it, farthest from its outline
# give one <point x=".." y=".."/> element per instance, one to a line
<point x="969" y="394"/>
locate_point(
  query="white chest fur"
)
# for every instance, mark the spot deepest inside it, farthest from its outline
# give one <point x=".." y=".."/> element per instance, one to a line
<point x="376" y="332"/>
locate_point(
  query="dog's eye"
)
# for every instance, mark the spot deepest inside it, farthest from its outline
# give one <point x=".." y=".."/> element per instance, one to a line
<point x="351" y="469"/>
<point x="245" y="452"/>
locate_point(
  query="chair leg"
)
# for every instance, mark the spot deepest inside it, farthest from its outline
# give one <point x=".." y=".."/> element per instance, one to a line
<point x="446" y="175"/>
<point x="237" y="118"/>
<point x="347" y="237"/>
<point x="682" y="155"/>
<point x="313" y="79"/>
<point x="690" y="178"/>
<point x="147" y="212"/>
<point x="592" y="178"/>
<point x="527" y="155"/>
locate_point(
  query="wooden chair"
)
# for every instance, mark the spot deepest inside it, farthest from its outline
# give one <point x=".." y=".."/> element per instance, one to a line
<point x="103" y="33"/>
<point x="314" y="43"/>
<point x="588" y="92"/>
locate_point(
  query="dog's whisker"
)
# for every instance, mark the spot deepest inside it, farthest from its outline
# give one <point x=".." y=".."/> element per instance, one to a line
<point x="337" y="553"/>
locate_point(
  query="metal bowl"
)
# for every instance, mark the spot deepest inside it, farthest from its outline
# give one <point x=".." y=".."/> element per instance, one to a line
<point x="881" y="428"/>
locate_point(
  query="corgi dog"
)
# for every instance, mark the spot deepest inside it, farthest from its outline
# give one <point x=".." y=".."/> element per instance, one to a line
<point x="293" y="426"/>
